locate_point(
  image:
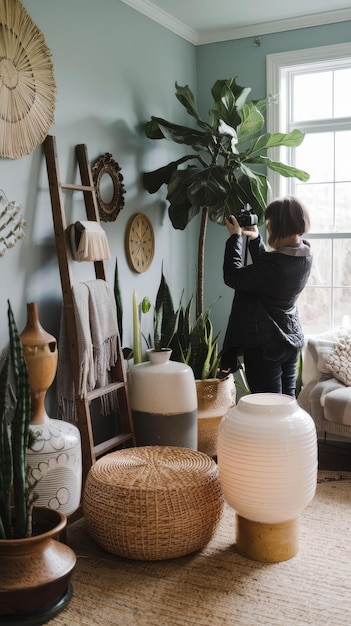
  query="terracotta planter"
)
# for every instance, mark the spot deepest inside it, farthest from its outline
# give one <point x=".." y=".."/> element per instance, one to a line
<point x="35" y="573"/>
<point x="215" y="396"/>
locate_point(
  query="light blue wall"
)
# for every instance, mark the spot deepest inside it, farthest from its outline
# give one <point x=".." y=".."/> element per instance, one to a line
<point x="243" y="59"/>
<point x="114" y="68"/>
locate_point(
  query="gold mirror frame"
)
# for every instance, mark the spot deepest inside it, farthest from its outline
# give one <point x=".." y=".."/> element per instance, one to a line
<point x="105" y="164"/>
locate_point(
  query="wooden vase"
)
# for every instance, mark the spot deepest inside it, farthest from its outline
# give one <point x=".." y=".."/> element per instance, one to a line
<point x="35" y="572"/>
<point x="40" y="352"/>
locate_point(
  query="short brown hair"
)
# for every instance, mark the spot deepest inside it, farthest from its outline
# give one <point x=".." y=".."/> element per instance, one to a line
<point x="287" y="217"/>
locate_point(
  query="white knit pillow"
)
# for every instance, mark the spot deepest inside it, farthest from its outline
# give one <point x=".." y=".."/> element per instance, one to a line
<point x="339" y="361"/>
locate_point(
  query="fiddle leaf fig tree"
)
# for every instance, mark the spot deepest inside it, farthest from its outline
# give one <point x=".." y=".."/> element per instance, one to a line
<point x="227" y="168"/>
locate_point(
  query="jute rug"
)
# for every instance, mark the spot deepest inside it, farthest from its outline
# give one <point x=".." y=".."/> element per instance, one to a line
<point x="217" y="586"/>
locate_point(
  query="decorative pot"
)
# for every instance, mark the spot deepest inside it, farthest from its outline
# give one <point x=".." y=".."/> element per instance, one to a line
<point x="163" y="402"/>
<point x="40" y="352"/>
<point x="267" y="460"/>
<point x="55" y="456"/>
<point x="215" y="396"/>
<point x="36" y="572"/>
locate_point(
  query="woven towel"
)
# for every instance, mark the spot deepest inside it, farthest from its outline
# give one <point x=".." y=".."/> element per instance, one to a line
<point x="88" y="241"/>
<point x="97" y="336"/>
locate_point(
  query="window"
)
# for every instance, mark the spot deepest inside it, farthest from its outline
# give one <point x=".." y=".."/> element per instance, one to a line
<point x="314" y="94"/>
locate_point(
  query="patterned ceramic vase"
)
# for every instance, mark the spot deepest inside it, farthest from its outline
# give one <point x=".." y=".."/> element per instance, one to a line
<point x="55" y="456"/>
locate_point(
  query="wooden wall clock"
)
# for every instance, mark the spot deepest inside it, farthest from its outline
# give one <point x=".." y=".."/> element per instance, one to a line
<point x="140" y="243"/>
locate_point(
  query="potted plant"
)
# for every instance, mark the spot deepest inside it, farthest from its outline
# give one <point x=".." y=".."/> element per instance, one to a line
<point x="26" y="531"/>
<point x="192" y="341"/>
<point x="196" y="344"/>
<point x="228" y="163"/>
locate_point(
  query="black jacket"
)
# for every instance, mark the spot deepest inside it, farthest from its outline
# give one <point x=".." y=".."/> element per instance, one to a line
<point x="264" y="306"/>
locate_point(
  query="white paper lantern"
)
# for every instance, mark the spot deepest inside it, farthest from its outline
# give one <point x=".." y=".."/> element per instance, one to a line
<point x="268" y="462"/>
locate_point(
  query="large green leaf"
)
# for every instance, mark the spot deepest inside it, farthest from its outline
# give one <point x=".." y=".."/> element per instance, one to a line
<point x="186" y="98"/>
<point x="208" y="187"/>
<point x="275" y="140"/>
<point x="184" y="135"/>
<point x="226" y="109"/>
<point x="181" y="211"/>
<point x="252" y="122"/>
<point x="284" y="170"/>
<point x="153" y="180"/>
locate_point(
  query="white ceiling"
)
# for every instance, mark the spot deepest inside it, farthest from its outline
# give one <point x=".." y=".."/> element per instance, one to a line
<point x="207" y="21"/>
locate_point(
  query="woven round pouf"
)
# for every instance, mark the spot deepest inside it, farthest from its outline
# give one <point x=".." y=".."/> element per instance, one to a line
<point x="153" y="502"/>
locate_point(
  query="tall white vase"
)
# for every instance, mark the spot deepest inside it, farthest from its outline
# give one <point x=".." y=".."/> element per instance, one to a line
<point x="163" y="401"/>
<point x="268" y="461"/>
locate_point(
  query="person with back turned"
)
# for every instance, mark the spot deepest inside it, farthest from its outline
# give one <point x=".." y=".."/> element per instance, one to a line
<point x="264" y="324"/>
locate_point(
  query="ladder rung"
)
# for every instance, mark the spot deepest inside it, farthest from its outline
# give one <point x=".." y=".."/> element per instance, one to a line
<point x="102" y="391"/>
<point x="110" y="444"/>
<point x="76" y="187"/>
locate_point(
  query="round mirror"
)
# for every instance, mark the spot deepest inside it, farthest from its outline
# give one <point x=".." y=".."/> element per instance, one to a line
<point x="108" y="182"/>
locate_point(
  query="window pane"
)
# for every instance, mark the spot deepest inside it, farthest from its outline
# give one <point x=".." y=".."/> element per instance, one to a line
<point x="319" y="201"/>
<point x="309" y="89"/>
<point x="314" y="305"/>
<point x="342" y="155"/>
<point x="342" y="264"/>
<point x="316" y="156"/>
<point x="342" y="315"/>
<point x="321" y="265"/>
<point x="342" y="207"/>
<point x="342" y="93"/>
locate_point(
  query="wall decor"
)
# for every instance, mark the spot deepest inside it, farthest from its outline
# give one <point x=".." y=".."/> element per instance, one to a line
<point x="27" y="83"/>
<point x="140" y="243"/>
<point x="110" y="191"/>
<point x="11" y="223"/>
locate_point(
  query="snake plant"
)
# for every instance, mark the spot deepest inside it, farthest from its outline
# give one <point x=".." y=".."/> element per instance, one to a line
<point x="17" y="494"/>
<point x="165" y="321"/>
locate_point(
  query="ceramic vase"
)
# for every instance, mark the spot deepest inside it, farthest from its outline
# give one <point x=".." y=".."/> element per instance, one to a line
<point x="163" y="401"/>
<point x="54" y="456"/>
<point x="36" y="572"/>
<point x="267" y="460"/>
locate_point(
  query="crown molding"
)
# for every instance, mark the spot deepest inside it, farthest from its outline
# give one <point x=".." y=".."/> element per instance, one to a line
<point x="225" y="34"/>
<point x="164" y="19"/>
<point x="279" y="26"/>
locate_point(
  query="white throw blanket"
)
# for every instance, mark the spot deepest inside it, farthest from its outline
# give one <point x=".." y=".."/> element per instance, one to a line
<point x="97" y="335"/>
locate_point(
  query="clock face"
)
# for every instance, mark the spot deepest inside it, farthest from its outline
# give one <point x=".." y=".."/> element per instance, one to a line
<point x="140" y="243"/>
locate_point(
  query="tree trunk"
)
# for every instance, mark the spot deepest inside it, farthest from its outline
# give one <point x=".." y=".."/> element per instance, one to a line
<point x="201" y="264"/>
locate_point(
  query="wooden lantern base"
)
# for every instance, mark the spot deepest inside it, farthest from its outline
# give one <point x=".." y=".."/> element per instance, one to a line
<point x="268" y="543"/>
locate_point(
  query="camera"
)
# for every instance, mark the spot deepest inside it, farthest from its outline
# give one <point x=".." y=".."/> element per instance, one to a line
<point x="246" y="218"/>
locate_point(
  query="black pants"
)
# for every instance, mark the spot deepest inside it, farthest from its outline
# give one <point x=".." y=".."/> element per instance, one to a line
<point x="269" y="373"/>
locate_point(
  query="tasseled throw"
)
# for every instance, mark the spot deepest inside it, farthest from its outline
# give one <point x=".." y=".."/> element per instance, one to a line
<point x="97" y="336"/>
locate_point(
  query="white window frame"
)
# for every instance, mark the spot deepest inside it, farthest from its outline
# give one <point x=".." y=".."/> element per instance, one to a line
<point x="279" y="68"/>
<point x="277" y="65"/>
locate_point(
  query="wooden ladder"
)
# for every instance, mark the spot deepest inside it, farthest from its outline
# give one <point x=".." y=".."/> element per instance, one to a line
<point x="126" y="436"/>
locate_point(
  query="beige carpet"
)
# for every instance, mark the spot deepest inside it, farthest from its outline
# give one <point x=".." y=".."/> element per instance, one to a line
<point x="218" y="587"/>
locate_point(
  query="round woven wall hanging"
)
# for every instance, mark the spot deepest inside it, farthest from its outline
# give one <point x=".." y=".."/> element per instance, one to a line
<point x="27" y="83"/>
